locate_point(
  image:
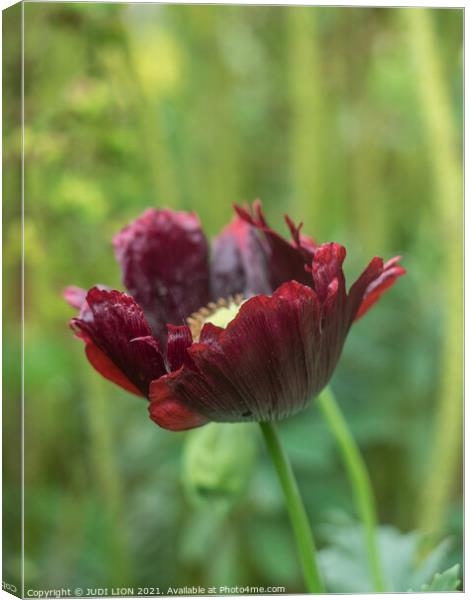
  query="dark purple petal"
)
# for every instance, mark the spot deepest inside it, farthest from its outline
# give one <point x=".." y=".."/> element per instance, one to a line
<point x="305" y="244"/>
<point x="113" y="320"/>
<point x="239" y="261"/>
<point x="164" y="262"/>
<point x="285" y="261"/>
<point x="268" y="362"/>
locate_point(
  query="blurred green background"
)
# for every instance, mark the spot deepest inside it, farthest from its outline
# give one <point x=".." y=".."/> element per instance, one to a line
<point x="348" y="119"/>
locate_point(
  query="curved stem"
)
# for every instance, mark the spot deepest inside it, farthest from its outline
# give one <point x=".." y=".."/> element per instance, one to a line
<point x="295" y="508"/>
<point x="359" y="479"/>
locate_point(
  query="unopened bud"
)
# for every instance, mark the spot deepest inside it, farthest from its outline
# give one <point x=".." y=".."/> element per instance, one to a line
<point x="217" y="462"/>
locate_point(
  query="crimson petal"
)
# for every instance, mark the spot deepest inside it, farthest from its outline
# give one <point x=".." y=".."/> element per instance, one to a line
<point x="109" y="325"/>
<point x="76" y="297"/>
<point x="210" y="333"/>
<point x="327" y="267"/>
<point x="266" y="365"/>
<point x="105" y="367"/>
<point x="169" y="411"/>
<point x="164" y="261"/>
<point x="330" y="286"/>
<point x="179" y="339"/>
<point x="390" y="272"/>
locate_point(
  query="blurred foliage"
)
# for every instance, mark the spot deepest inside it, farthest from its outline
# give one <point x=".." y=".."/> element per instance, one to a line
<point x="444" y="582"/>
<point x="317" y="112"/>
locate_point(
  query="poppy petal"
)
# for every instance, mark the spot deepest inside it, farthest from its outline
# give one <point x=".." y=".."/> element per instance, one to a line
<point x="358" y="288"/>
<point x="75" y="296"/>
<point x="327" y="266"/>
<point x="210" y="333"/>
<point x="239" y="261"/>
<point x="111" y="322"/>
<point x="179" y="339"/>
<point x="169" y="411"/>
<point x="390" y="273"/>
<point x="266" y="365"/>
<point x="285" y="261"/>
<point x="164" y="262"/>
<point x="303" y="243"/>
<point x="105" y="367"/>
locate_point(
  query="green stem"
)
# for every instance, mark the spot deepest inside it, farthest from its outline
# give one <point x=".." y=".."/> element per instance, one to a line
<point x="359" y="479"/>
<point x="295" y="508"/>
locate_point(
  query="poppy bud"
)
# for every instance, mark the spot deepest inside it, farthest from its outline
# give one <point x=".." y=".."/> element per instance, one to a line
<point x="217" y="462"/>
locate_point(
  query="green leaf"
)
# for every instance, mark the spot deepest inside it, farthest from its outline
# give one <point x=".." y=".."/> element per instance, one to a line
<point x="345" y="566"/>
<point x="444" y="582"/>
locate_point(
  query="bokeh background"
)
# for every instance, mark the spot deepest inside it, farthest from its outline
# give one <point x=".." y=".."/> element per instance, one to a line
<point x="348" y="119"/>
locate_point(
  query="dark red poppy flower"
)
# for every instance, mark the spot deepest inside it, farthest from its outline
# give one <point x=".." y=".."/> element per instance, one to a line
<point x="247" y="332"/>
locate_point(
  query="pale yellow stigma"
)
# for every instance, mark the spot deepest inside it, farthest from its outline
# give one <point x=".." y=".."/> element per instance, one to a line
<point x="218" y="313"/>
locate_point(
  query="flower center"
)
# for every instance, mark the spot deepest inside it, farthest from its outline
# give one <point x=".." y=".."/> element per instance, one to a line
<point x="218" y="313"/>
